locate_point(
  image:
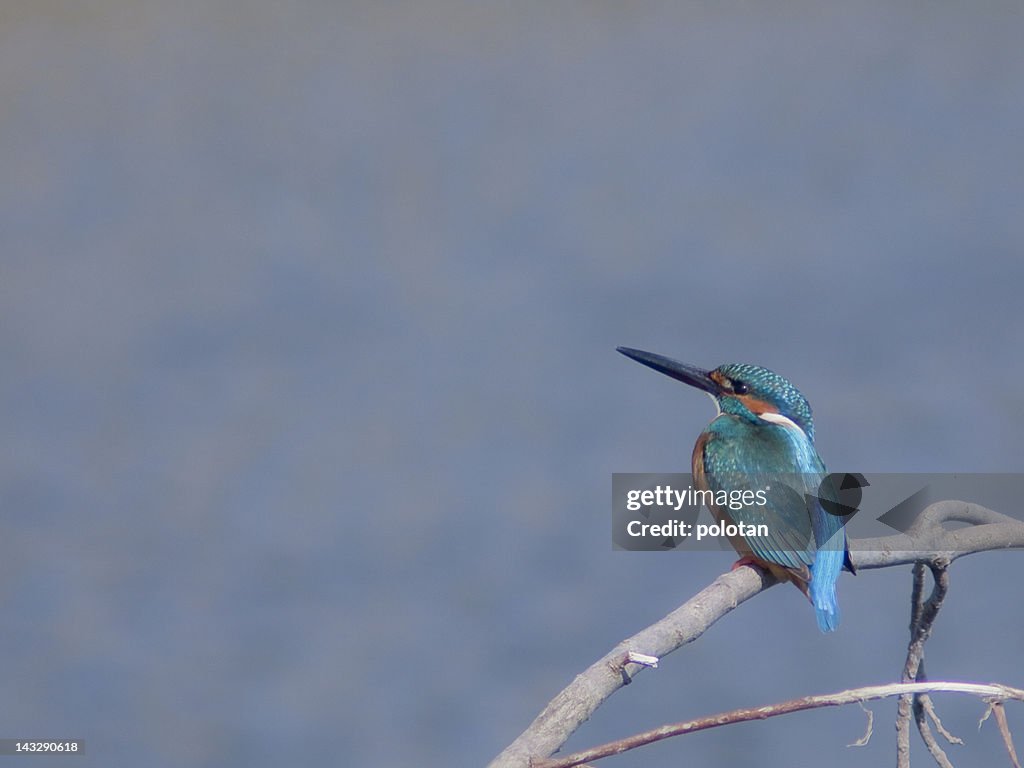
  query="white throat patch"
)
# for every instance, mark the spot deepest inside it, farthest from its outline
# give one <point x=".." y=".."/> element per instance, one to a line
<point x="782" y="421"/>
<point x="718" y="409"/>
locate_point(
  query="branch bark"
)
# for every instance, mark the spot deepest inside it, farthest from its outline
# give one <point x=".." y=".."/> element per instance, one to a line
<point x="922" y="616"/>
<point x="925" y="542"/>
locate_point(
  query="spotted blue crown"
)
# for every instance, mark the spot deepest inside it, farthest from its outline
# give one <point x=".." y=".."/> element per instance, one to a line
<point x="761" y="384"/>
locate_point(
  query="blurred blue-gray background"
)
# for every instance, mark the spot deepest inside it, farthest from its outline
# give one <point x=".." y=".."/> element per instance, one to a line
<point x="311" y="402"/>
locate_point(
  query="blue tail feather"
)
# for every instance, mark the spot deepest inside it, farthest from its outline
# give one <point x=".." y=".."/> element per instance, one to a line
<point x="828" y="563"/>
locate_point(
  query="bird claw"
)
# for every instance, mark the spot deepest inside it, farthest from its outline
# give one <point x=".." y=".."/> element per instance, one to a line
<point x="746" y="560"/>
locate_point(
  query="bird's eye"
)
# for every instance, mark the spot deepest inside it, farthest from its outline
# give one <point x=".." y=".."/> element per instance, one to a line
<point x="739" y="388"/>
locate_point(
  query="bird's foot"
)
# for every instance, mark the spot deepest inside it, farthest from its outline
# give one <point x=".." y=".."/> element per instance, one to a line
<point x="746" y="560"/>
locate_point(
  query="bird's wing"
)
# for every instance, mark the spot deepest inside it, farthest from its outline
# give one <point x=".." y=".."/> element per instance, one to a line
<point x="827" y="522"/>
<point x="787" y="485"/>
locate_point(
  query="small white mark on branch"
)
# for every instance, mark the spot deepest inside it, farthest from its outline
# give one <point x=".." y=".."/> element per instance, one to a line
<point x="642" y="659"/>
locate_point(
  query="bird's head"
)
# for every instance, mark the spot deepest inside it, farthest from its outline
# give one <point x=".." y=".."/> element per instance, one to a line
<point x="747" y="391"/>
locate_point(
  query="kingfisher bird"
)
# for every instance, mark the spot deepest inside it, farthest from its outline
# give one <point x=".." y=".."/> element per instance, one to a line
<point x="762" y="438"/>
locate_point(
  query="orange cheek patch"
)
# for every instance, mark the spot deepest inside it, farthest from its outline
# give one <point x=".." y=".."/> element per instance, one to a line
<point x="756" y="405"/>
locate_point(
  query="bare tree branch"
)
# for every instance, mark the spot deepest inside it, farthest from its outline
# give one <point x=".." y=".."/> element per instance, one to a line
<point x="926" y="541"/>
<point x="922" y="616"/>
<point x="851" y="696"/>
<point x="910" y="669"/>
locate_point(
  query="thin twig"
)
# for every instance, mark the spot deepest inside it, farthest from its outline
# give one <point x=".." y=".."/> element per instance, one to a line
<point x="929" y="708"/>
<point x="922" y="703"/>
<point x="863" y="740"/>
<point x="910" y="668"/>
<point x="996" y="707"/>
<point x="923" y="618"/>
<point x="851" y="696"/>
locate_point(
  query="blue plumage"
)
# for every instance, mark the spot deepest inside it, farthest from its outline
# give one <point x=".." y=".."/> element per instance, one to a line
<point x="763" y="439"/>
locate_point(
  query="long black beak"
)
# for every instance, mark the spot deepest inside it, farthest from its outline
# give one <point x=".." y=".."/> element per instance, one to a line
<point x="688" y="374"/>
